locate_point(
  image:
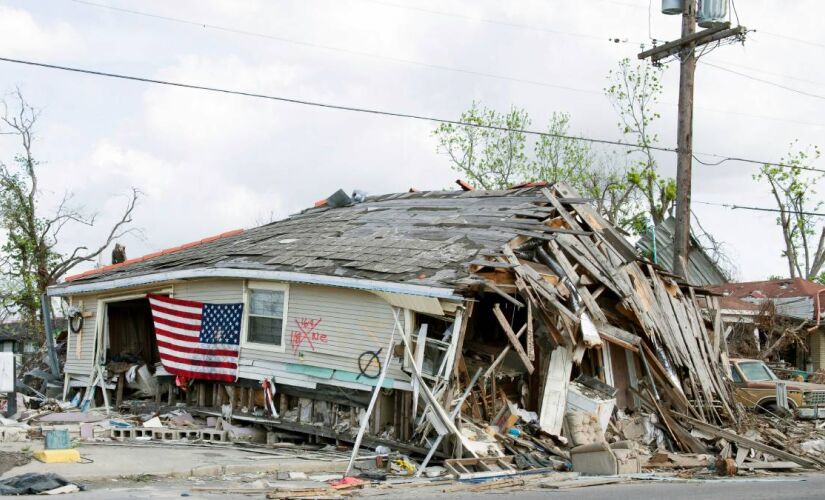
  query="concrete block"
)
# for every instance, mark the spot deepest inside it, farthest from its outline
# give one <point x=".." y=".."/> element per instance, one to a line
<point x="142" y="433"/>
<point x="190" y="434"/>
<point x="164" y="434"/>
<point x="122" y="433"/>
<point x="214" y="436"/>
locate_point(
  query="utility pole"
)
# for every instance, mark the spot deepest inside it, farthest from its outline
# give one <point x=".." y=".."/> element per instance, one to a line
<point x="684" y="132"/>
<point x="685" y="48"/>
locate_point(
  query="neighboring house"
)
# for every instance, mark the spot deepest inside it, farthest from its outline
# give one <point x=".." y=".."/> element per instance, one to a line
<point x="797" y="299"/>
<point x="701" y="268"/>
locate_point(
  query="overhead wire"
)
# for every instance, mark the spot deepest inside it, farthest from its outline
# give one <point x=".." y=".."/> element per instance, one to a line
<point x="793" y="39"/>
<point x="761" y="80"/>
<point x="373" y="111"/>
<point x="439" y="67"/>
<point x="760" y="209"/>
<point x="771" y="73"/>
<point x="332" y="48"/>
<point x="493" y="21"/>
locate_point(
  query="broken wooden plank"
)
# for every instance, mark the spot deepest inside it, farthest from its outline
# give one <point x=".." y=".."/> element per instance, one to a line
<point x="531" y="348"/>
<point x="513" y="339"/>
<point x="494" y="288"/>
<point x="554" y="398"/>
<point x="747" y="442"/>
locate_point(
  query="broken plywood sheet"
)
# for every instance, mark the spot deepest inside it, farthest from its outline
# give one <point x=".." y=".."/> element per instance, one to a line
<point x="554" y="399"/>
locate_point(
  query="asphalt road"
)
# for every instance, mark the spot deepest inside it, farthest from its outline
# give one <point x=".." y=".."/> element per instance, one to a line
<point x="776" y="487"/>
<point x="797" y="488"/>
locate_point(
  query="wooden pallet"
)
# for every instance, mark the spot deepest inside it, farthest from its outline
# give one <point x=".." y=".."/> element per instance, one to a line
<point x="474" y="468"/>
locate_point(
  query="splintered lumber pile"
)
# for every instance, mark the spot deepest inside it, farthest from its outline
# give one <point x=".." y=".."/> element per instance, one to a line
<point x="587" y="285"/>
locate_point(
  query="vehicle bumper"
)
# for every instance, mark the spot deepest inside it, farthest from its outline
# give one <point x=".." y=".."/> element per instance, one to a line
<point x="811" y="412"/>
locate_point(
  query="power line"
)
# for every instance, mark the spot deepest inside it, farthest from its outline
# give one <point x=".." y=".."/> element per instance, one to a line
<point x="237" y="31"/>
<point x="768" y="82"/>
<point x="439" y="67"/>
<point x="381" y="112"/>
<point x="771" y="73"/>
<point x="496" y="21"/>
<point x="794" y="39"/>
<point x="760" y="209"/>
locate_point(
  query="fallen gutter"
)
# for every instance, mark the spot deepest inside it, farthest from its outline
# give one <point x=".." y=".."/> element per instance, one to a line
<point x="290" y="277"/>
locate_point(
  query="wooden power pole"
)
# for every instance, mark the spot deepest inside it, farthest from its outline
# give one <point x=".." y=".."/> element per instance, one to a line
<point x="685" y="47"/>
<point x="684" y="142"/>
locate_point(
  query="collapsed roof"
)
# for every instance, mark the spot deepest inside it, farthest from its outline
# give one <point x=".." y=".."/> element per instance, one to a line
<point x="426" y="238"/>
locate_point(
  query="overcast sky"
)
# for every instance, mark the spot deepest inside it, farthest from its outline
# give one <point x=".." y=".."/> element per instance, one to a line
<point x="208" y="162"/>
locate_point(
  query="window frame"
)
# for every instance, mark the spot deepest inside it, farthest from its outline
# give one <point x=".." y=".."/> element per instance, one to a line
<point x="249" y="286"/>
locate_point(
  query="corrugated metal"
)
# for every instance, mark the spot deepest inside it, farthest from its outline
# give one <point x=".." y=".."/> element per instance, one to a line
<point x="793" y="307"/>
<point x="701" y="269"/>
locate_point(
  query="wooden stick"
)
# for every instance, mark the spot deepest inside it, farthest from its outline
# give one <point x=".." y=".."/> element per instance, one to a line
<point x="513" y="339"/>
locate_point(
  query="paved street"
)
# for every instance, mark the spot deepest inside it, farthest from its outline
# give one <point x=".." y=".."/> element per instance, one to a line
<point x="777" y="487"/>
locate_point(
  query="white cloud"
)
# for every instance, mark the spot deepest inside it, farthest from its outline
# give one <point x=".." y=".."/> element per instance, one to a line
<point x="210" y="162"/>
<point x="23" y="36"/>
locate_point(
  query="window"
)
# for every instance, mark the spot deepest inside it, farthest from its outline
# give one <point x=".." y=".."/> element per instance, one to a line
<point x="756" y="371"/>
<point x="265" y="314"/>
<point x="735" y="374"/>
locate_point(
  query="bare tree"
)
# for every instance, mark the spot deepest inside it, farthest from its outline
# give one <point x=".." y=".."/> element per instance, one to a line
<point x="29" y="258"/>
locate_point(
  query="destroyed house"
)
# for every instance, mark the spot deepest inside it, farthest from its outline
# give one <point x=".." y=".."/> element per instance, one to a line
<point x="747" y="307"/>
<point x="520" y="303"/>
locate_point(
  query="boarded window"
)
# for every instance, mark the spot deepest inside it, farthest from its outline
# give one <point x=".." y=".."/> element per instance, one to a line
<point x="266" y="317"/>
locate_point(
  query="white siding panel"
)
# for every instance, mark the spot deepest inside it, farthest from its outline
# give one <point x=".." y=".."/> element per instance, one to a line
<point x="214" y="291"/>
<point x="82" y="365"/>
<point x="352" y="322"/>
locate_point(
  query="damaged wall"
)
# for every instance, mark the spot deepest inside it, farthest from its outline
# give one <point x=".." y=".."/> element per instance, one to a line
<point x="327" y="330"/>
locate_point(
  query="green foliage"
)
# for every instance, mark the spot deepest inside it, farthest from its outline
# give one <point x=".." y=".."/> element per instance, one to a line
<point x="492" y="154"/>
<point x="794" y="191"/>
<point x="492" y="158"/>
<point x="634" y="92"/>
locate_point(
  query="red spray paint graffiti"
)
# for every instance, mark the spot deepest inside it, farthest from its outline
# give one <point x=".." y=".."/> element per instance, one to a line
<point x="306" y="332"/>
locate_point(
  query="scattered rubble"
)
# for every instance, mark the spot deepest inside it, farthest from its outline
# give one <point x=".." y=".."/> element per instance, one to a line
<point x="585" y="360"/>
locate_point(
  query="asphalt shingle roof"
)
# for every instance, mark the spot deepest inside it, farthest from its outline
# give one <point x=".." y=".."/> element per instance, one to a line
<point x="419" y="238"/>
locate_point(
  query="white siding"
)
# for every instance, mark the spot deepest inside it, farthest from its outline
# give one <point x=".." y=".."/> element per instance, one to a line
<point x="81" y="366"/>
<point x="214" y="291"/>
<point x="353" y="321"/>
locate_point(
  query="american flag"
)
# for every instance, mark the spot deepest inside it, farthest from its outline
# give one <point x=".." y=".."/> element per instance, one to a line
<point x="197" y="340"/>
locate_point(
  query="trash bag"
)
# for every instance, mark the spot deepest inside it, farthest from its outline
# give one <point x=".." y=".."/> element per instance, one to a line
<point x="31" y="483"/>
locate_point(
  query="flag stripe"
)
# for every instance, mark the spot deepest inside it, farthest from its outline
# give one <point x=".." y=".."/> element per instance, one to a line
<point x="199" y="362"/>
<point x="178" y="303"/>
<point x="202" y="369"/>
<point x="183" y="312"/>
<point x="177" y="324"/>
<point x="176" y="333"/>
<point x="197" y="340"/>
<point x="185" y="318"/>
<point x="173" y="348"/>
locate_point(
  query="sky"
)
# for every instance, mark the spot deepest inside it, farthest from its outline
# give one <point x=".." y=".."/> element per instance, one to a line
<point x="207" y="162"/>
